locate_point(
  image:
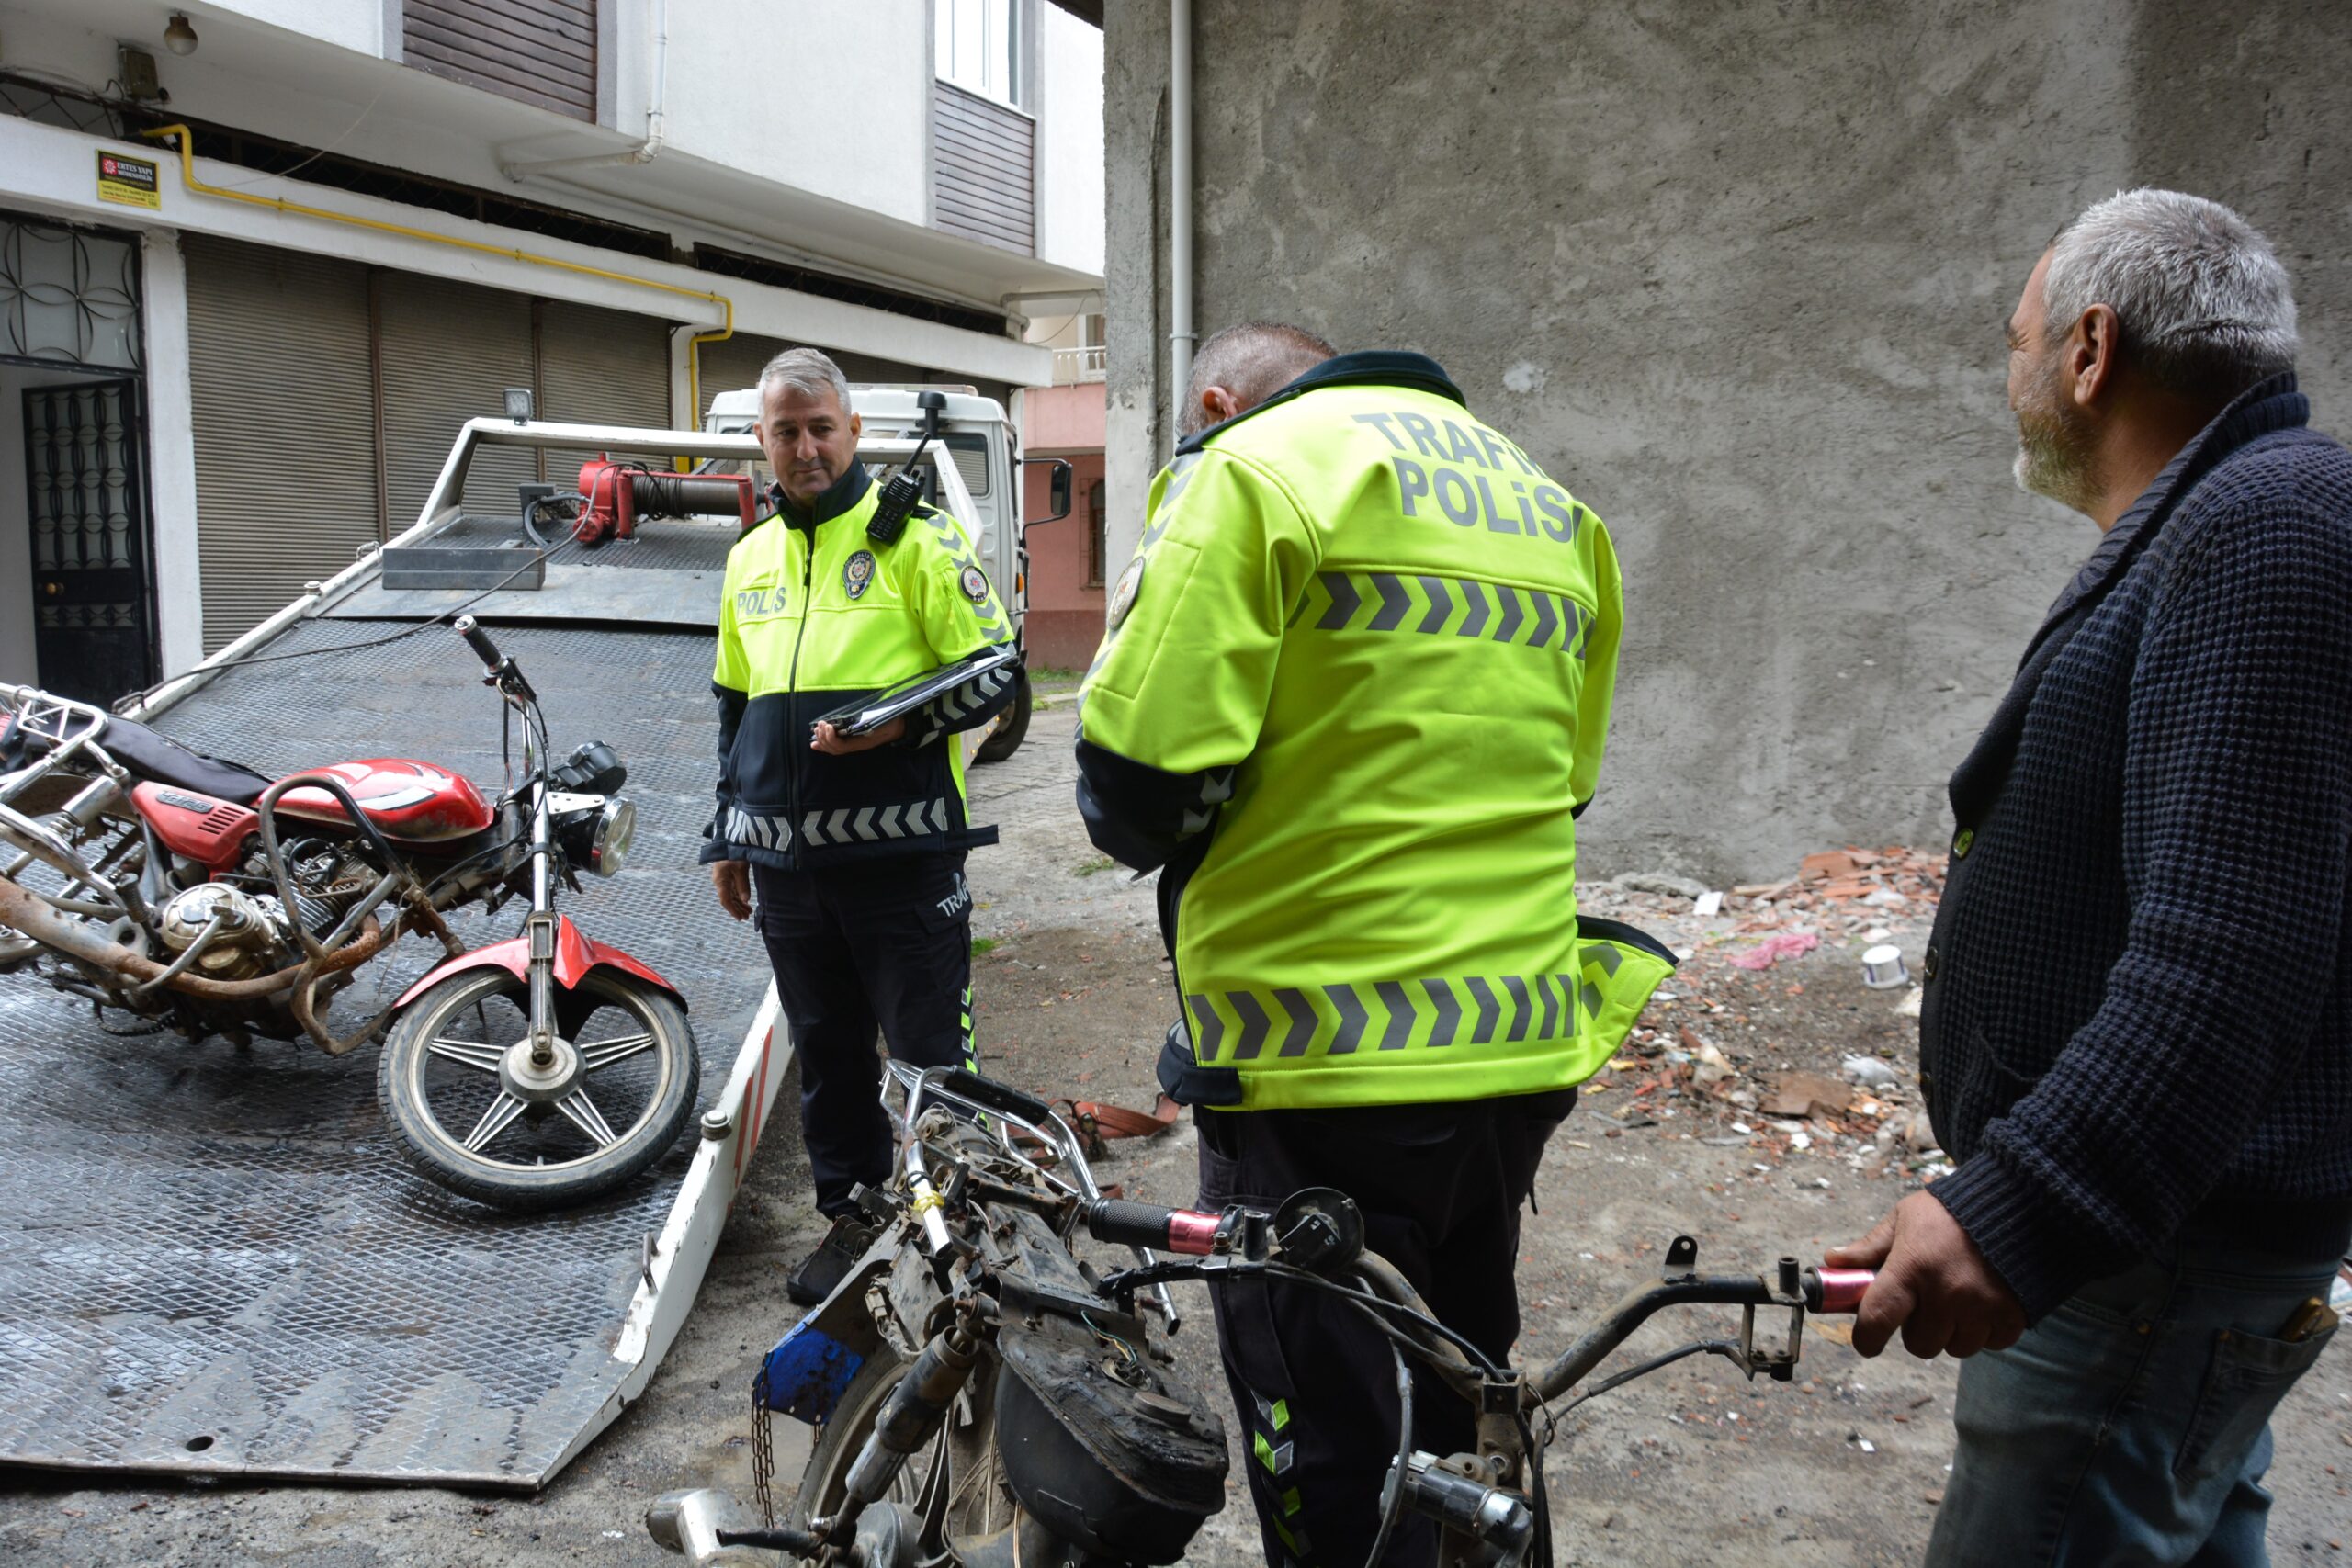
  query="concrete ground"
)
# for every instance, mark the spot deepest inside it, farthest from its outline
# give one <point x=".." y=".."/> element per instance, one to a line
<point x="1845" y="1466"/>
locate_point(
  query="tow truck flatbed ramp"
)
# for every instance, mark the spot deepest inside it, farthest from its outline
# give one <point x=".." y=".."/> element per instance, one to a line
<point x="218" y="1260"/>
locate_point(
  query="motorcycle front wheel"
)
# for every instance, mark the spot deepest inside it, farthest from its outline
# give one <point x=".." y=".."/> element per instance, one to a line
<point x="980" y="1500"/>
<point x="483" y="1121"/>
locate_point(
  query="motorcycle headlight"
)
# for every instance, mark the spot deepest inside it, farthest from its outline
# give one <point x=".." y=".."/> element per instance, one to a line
<point x="614" y="833"/>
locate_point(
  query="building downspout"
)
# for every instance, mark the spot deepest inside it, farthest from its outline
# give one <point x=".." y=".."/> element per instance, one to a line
<point x="656" y="115"/>
<point x="1180" y="207"/>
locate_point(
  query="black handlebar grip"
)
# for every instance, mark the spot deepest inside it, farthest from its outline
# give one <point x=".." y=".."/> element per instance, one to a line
<point x="1128" y="1223"/>
<point x="479" y="640"/>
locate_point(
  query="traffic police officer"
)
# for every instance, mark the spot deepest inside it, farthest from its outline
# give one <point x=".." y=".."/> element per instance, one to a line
<point x="855" y="845"/>
<point x="1355" y="689"/>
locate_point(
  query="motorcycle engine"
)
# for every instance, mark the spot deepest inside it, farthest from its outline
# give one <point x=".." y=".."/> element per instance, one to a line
<point x="255" y="935"/>
<point x="1107" y="1451"/>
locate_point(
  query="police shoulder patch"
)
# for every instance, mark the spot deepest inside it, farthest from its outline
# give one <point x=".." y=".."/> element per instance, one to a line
<point x="976" y="584"/>
<point x="1122" y="597"/>
<point x="857" y="574"/>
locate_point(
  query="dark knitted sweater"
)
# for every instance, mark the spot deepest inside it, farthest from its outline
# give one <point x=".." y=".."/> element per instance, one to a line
<point x="2139" y="992"/>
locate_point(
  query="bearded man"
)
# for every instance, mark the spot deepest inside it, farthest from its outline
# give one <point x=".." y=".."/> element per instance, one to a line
<point x="2137" y="1031"/>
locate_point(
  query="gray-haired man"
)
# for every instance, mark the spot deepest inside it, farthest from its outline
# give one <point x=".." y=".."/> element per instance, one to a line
<point x="2137" y="1037"/>
<point x="854" y="844"/>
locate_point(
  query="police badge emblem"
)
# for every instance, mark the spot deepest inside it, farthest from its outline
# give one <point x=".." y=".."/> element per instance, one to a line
<point x="857" y="574"/>
<point x="976" y="585"/>
<point x="1122" y="597"/>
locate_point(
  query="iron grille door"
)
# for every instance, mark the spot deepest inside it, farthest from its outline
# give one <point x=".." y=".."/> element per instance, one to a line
<point x="93" y="632"/>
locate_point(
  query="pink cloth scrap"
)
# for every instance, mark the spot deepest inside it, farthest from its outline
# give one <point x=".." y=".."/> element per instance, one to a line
<point x="1773" y="948"/>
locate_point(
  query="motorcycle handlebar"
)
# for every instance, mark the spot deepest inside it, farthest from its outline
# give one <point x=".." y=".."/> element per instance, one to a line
<point x="479" y="640"/>
<point x="1836" y="1289"/>
<point x="1129" y="1223"/>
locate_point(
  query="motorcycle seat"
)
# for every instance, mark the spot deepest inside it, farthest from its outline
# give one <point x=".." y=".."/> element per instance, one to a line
<point x="164" y="760"/>
<point x="156" y="757"/>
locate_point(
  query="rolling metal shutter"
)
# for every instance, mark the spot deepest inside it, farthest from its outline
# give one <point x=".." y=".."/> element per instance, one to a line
<point x="535" y="51"/>
<point x="602" y="366"/>
<point x="733" y="362"/>
<point x="450" y="350"/>
<point x="283" y="419"/>
<point x="983" y="163"/>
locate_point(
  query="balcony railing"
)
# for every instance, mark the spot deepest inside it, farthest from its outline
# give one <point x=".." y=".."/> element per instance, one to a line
<point x="1075" y="366"/>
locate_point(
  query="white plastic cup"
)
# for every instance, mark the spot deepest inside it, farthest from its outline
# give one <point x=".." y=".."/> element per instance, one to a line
<point x="1883" y="968"/>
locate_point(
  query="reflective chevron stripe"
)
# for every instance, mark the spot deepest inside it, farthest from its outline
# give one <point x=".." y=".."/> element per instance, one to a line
<point x="872" y="824"/>
<point x="1493" y="612"/>
<point x="761" y="832"/>
<point x="1338" y="1019"/>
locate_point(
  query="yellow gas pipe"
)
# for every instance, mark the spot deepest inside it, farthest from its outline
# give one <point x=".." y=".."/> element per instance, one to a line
<point x="694" y="345"/>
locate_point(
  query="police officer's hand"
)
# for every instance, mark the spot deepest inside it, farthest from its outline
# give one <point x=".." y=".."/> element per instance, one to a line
<point x="1932" y="1284"/>
<point x="733" y="880"/>
<point x="833" y="743"/>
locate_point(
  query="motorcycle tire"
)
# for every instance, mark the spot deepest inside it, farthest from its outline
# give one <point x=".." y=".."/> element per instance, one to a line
<point x="1007" y="731"/>
<point x="983" y="1501"/>
<point x="509" y="1167"/>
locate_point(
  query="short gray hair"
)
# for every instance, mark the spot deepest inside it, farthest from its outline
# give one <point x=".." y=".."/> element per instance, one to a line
<point x="808" y="371"/>
<point x="1252" y="361"/>
<point x="2206" y="309"/>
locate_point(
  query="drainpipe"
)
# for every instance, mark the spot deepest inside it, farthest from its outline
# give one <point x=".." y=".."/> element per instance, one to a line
<point x="644" y="151"/>
<point x="1179" y="207"/>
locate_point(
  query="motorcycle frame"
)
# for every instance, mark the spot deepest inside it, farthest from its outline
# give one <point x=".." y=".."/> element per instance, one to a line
<point x="1001" y="1119"/>
<point x="53" y="921"/>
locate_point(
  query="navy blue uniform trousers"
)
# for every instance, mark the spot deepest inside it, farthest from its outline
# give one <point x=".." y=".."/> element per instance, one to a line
<point x="881" y="947"/>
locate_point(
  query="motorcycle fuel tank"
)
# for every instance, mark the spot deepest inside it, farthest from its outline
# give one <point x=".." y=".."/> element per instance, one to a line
<point x="406" y="799"/>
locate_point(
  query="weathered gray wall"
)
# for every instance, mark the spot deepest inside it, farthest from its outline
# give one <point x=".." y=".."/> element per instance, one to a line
<point x="1735" y="273"/>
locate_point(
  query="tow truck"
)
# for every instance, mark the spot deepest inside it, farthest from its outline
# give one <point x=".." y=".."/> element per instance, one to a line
<point x="215" y="1260"/>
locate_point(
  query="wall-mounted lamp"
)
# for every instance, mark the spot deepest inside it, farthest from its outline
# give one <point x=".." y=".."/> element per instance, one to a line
<point x="180" y="36"/>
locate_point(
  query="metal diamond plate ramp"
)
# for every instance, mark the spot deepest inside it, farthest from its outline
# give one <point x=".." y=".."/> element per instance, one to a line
<point x="215" y="1260"/>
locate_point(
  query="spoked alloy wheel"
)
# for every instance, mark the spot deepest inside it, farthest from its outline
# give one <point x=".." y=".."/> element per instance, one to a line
<point x="482" y="1120"/>
<point x="962" y="1460"/>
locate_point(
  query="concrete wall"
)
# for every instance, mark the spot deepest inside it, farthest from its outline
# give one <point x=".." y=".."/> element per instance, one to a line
<point x="1738" y="276"/>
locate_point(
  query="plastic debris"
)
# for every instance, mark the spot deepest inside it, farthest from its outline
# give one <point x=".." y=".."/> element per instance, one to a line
<point x="1869" y="1072"/>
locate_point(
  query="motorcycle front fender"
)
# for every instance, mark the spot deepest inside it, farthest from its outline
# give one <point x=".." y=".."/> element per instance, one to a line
<point x="576" y="957"/>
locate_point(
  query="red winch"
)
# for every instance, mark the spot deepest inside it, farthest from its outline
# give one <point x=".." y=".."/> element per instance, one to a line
<point x="618" y="495"/>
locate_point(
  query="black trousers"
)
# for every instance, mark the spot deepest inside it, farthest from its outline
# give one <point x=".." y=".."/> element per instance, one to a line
<point x="1313" y="1382"/>
<point x="877" y="946"/>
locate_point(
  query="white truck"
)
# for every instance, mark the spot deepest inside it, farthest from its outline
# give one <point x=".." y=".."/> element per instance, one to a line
<point x="981" y="445"/>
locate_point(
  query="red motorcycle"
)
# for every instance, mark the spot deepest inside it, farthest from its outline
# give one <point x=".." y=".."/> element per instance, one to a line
<point x="138" y="874"/>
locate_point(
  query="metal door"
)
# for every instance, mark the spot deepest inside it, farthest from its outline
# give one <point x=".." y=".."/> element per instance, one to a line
<point x="92" y="631"/>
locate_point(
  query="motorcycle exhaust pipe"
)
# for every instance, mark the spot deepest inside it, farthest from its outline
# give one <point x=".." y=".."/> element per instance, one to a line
<point x="916" y="1411"/>
<point x="29" y="916"/>
<point x="692" y="1523"/>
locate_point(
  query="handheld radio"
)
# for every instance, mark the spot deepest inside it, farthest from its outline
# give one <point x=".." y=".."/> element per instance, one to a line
<point x="903" y="490"/>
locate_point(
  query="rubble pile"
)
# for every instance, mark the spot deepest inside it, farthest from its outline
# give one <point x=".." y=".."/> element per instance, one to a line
<point x="1720" y="1056"/>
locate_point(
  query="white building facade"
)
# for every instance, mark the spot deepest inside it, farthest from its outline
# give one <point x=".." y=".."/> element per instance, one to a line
<point x="234" y="353"/>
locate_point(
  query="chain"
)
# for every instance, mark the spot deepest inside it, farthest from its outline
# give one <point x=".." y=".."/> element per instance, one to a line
<point x="762" y="1448"/>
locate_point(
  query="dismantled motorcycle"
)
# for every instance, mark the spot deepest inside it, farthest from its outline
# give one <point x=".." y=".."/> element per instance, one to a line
<point x="140" y="876"/>
<point x="984" y="1399"/>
